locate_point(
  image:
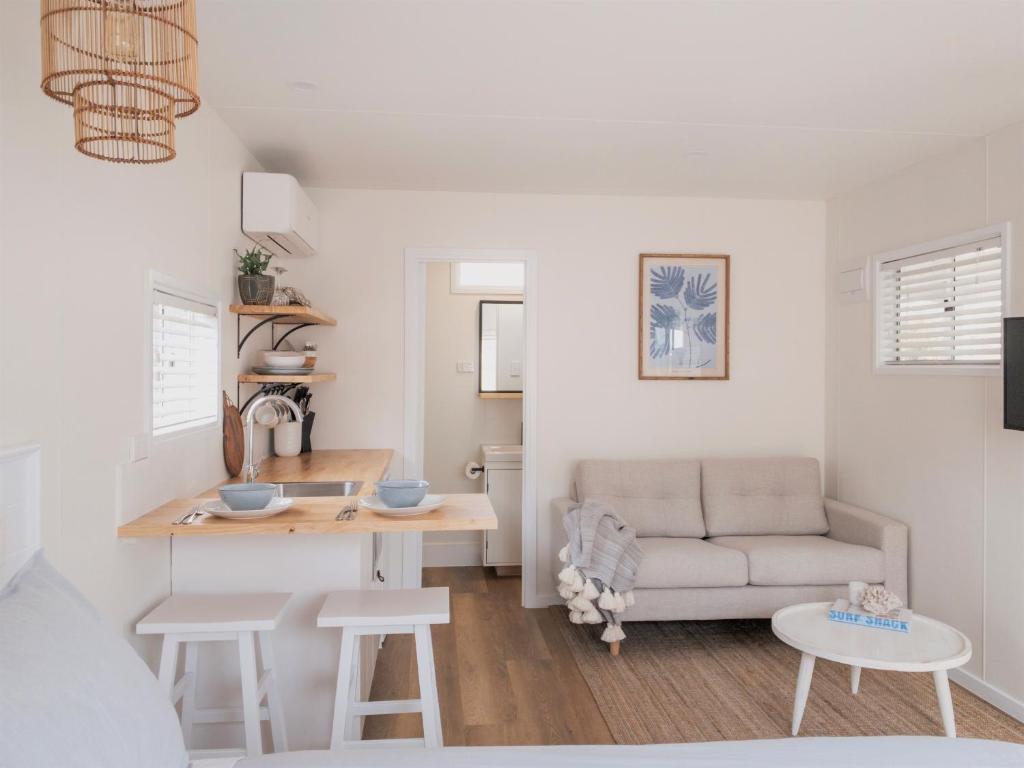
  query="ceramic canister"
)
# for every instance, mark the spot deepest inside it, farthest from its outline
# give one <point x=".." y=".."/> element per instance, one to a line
<point x="288" y="438"/>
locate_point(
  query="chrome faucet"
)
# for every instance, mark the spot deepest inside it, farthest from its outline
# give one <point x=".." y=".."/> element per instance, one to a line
<point x="252" y="470"/>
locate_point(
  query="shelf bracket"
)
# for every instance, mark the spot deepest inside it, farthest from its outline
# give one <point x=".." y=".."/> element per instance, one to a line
<point x="291" y="330"/>
<point x="264" y="388"/>
<point x="251" y="331"/>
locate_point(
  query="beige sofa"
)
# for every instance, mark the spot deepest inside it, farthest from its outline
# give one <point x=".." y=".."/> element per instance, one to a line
<point x="741" y="538"/>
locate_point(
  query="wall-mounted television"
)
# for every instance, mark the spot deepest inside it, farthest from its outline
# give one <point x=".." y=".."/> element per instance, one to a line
<point x="1013" y="373"/>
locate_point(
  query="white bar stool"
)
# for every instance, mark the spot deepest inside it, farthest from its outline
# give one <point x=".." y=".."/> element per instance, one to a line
<point x="384" y="612"/>
<point x="238" y="618"/>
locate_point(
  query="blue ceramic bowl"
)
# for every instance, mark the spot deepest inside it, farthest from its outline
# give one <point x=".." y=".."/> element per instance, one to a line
<point x="402" y="493"/>
<point x="241" y="496"/>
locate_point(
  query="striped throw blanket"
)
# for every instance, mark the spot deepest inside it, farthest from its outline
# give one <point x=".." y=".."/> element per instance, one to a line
<point x="602" y="558"/>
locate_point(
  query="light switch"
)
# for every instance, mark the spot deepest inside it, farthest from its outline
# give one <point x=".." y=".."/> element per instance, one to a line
<point x="465" y="366"/>
<point x="515" y="369"/>
<point x="851" y="280"/>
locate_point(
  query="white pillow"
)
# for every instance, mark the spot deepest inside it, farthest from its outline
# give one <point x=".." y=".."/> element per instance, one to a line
<point x="73" y="693"/>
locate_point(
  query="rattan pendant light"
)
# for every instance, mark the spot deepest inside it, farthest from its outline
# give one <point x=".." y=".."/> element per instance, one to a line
<point x="128" y="67"/>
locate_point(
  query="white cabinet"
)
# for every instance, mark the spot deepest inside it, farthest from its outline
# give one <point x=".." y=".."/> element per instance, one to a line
<point x="503" y="475"/>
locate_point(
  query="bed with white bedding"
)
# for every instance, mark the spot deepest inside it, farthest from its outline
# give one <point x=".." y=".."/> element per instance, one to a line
<point x="836" y="752"/>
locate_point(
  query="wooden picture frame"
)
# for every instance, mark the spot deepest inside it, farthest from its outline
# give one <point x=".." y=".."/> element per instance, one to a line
<point x="683" y="331"/>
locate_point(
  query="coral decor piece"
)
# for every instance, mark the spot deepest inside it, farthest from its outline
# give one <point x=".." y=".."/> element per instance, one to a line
<point x="878" y="600"/>
<point x="297" y="297"/>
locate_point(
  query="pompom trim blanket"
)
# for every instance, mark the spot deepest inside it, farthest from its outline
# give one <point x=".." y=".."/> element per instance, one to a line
<point x="602" y="559"/>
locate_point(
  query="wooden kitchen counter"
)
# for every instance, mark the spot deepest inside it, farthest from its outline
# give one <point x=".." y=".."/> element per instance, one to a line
<point x="461" y="511"/>
<point x="366" y="464"/>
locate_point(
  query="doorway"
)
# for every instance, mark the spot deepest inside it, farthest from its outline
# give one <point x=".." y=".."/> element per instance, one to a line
<point x="422" y="266"/>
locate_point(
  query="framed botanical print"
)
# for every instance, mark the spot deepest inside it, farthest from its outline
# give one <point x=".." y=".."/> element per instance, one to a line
<point x="684" y="316"/>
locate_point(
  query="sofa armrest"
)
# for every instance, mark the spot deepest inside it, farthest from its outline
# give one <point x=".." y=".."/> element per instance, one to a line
<point x="560" y="506"/>
<point x="854" y="525"/>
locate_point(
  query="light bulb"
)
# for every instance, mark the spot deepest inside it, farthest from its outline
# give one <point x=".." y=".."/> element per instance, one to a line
<point x="121" y="34"/>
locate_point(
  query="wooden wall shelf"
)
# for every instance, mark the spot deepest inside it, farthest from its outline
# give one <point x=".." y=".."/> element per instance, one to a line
<point x="298" y="378"/>
<point x="292" y="314"/>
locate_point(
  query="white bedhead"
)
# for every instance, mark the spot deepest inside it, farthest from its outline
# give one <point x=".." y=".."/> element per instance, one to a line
<point x="19" y="507"/>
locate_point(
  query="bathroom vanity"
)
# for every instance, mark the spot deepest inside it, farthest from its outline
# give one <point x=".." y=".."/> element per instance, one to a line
<point x="503" y="481"/>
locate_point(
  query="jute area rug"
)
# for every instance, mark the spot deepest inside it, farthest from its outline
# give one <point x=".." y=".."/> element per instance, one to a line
<point x="712" y="680"/>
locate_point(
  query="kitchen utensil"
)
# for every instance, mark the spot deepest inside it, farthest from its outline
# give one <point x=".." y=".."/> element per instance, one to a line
<point x="401" y="493"/>
<point x="191" y="513"/>
<point x="288" y="438"/>
<point x="247" y="496"/>
<point x="430" y="502"/>
<point x="277" y="505"/>
<point x="234" y="438"/>
<point x="348" y="513"/>
<point x="196" y="514"/>
<point x="307" y="428"/>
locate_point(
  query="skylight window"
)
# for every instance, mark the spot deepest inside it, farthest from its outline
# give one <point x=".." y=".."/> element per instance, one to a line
<point x="487" y="277"/>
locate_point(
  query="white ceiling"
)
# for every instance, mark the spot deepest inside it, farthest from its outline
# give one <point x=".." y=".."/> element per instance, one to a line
<point x="766" y="98"/>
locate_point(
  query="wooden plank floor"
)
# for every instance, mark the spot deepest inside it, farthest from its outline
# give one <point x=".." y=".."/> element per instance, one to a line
<point x="504" y="674"/>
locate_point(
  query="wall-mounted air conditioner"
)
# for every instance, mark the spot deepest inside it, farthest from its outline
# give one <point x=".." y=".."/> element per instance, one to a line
<point x="278" y="215"/>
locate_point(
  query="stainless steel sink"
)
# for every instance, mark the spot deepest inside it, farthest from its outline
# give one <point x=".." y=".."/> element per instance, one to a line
<point x="329" y="488"/>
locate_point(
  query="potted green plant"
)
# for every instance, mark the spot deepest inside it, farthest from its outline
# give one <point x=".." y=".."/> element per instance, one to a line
<point x="254" y="287"/>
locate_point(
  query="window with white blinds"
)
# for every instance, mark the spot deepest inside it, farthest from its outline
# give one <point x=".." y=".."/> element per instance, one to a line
<point x="186" y="355"/>
<point x="941" y="307"/>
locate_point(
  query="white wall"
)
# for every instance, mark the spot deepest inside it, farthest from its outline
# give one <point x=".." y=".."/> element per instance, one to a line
<point x="456" y="421"/>
<point x="590" y="402"/>
<point x="76" y="240"/>
<point x="930" y="450"/>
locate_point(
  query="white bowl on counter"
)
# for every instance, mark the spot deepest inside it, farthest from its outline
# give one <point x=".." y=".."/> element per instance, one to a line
<point x="276" y="506"/>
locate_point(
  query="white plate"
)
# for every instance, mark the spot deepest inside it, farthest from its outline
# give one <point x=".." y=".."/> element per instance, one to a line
<point x="430" y="502"/>
<point x="218" y="508"/>
<point x="272" y="371"/>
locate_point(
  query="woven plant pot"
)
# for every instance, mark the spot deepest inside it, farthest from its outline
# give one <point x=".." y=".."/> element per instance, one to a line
<point x="256" y="289"/>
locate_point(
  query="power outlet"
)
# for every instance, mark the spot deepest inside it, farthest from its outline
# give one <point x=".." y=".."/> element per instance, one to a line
<point x="138" y="448"/>
<point x="465" y="366"/>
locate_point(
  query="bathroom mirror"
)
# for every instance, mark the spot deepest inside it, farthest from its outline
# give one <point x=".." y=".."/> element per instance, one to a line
<point x="501" y="348"/>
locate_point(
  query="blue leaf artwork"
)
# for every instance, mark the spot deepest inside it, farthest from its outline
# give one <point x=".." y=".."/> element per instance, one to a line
<point x="700" y="292"/>
<point x="706" y="327"/>
<point x="664" y="320"/>
<point x="667" y="282"/>
<point x="684" y="304"/>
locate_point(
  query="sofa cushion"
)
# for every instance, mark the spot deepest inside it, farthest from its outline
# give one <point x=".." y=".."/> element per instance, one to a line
<point x="754" y="497"/>
<point x="658" y="498"/>
<point x="670" y="563"/>
<point x="805" y="560"/>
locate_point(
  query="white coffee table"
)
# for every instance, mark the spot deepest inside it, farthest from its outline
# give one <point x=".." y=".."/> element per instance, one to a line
<point x="931" y="646"/>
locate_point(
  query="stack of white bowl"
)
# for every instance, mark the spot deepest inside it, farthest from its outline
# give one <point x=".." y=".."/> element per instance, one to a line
<point x="278" y="362"/>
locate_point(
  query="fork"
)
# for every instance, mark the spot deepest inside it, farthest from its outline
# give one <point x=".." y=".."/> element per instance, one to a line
<point x="348" y="513"/>
<point x="189" y="517"/>
<point x="199" y="512"/>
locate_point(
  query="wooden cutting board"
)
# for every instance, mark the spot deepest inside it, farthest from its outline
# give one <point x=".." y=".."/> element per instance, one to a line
<point x="234" y="438"/>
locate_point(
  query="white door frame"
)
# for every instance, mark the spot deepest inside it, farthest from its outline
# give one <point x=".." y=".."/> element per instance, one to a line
<point x="416" y="260"/>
